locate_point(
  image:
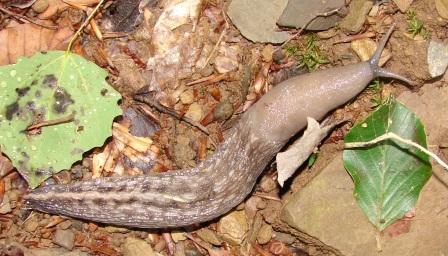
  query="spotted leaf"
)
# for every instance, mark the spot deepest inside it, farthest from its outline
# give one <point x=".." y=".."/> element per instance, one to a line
<point x="54" y="106"/>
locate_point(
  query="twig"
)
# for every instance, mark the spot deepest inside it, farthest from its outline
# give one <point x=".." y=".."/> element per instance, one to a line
<point x="324" y="14"/>
<point x="391" y="135"/>
<point x="61" y="120"/>
<point x="355" y="37"/>
<point x="153" y="103"/>
<point x="267" y="197"/>
<point x="221" y="36"/>
<point x="21" y="17"/>
<point x="84" y="25"/>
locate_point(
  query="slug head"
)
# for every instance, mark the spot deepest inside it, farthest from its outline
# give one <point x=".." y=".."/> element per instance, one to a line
<point x="378" y="71"/>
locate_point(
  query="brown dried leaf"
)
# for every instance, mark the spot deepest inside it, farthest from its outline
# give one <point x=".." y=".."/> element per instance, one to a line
<point x="27" y="39"/>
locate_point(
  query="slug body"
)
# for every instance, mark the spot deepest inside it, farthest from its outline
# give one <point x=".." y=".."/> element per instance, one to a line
<point x="222" y="181"/>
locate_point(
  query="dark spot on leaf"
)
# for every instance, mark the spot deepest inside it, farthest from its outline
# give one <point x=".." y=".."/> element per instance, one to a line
<point x="30" y="105"/>
<point x="22" y="91"/>
<point x="382" y="221"/>
<point x="61" y="101"/>
<point x="38" y="94"/>
<point x="76" y="151"/>
<point x="11" y="110"/>
<point x="50" y="81"/>
<point x="43" y="52"/>
<point x="103" y="92"/>
<point x="80" y="128"/>
<point x="24" y="154"/>
<point x="34" y="82"/>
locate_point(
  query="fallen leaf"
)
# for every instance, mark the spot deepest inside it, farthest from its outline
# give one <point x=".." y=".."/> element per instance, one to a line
<point x="289" y="160"/>
<point x="27" y="39"/>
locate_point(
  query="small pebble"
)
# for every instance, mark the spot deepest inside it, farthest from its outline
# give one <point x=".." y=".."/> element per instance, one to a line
<point x="267" y="53"/>
<point x="223" y="111"/>
<point x="365" y="48"/>
<point x="64" y="238"/>
<point x="187" y="97"/>
<point x="442" y="8"/>
<point x="31" y="224"/>
<point x="5" y="206"/>
<point x="40" y="6"/>
<point x="65" y="224"/>
<point x="178" y="236"/>
<point x="264" y="234"/>
<point x="268" y="184"/>
<point x="209" y="236"/>
<point x="233" y="227"/>
<point x="113" y="229"/>
<point x="195" y="112"/>
<point x="136" y="247"/>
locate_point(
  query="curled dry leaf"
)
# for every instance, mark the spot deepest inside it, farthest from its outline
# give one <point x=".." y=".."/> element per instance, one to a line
<point x="138" y="150"/>
<point x="289" y="160"/>
<point x="27" y="39"/>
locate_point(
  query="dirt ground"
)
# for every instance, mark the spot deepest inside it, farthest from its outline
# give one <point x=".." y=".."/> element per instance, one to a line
<point x="212" y="98"/>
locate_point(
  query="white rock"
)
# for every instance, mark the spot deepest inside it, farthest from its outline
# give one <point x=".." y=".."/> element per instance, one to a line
<point x="195" y="112"/>
<point x="437" y="58"/>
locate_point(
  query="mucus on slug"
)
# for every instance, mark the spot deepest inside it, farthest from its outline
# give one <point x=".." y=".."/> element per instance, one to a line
<point x="223" y="180"/>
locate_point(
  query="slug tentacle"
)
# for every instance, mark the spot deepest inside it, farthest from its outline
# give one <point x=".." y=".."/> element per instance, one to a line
<point x="379" y="72"/>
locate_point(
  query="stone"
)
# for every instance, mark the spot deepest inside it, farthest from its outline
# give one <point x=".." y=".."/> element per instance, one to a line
<point x="137" y="247"/>
<point x="64" y="238"/>
<point x="187" y="97"/>
<point x="233" y="227"/>
<point x="5" y="206"/>
<point x="31" y="224"/>
<point x="223" y="111"/>
<point x="209" y="236"/>
<point x="403" y="5"/>
<point x="365" y="48"/>
<point x="298" y="14"/>
<point x="357" y="14"/>
<point x="326" y="209"/>
<point x="256" y="19"/>
<point x="437" y="58"/>
<point x="442" y="8"/>
<point x="65" y="224"/>
<point x="264" y="234"/>
<point x="195" y="112"/>
<point x="178" y="235"/>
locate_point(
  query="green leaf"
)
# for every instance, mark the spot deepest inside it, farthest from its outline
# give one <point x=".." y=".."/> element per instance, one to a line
<point x="51" y="86"/>
<point x="389" y="175"/>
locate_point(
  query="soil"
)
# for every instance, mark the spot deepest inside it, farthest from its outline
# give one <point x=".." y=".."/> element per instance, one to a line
<point x="179" y="144"/>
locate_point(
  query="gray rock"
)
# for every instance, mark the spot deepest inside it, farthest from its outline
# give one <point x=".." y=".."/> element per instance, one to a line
<point x="356" y="16"/>
<point x="326" y="209"/>
<point x="64" y="238"/>
<point x="437" y="58"/>
<point x="256" y="19"/>
<point x="137" y="247"/>
<point x="223" y="111"/>
<point x="299" y="12"/>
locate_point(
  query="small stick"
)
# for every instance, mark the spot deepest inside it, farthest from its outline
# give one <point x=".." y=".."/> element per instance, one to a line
<point x="84" y="25"/>
<point x="355" y="37"/>
<point x="324" y="14"/>
<point x="61" y="120"/>
<point x="21" y="17"/>
<point x="393" y="136"/>
<point x="170" y="112"/>
<point x="221" y="36"/>
<point x="273" y="198"/>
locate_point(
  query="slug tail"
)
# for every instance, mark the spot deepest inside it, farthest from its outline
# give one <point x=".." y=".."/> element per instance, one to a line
<point x="379" y="72"/>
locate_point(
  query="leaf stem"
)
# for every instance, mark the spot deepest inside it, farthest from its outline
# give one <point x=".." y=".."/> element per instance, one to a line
<point x="84" y="25"/>
<point x="61" y="120"/>
<point x="393" y="136"/>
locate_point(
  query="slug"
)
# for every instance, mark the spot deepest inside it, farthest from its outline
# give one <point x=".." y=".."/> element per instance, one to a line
<point x="223" y="180"/>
